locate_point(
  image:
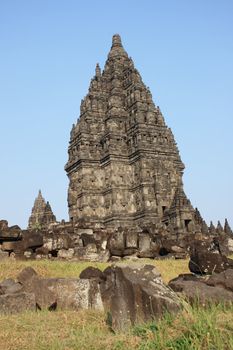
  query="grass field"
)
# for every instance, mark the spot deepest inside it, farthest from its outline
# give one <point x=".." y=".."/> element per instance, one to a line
<point x="11" y="268"/>
<point x="194" y="328"/>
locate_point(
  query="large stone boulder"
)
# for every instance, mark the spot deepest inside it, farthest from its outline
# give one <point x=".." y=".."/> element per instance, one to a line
<point x="9" y="286"/>
<point x="205" y="290"/>
<point x="76" y="294"/>
<point x="32" y="283"/>
<point x="9" y="233"/>
<point x="61" y="293"/>
<point x="205" y="259"/>
<point x="57" y="241"/>
<point x="223" y="279"/>
<point x="17" y="302"/>
<point x="135" y="294"/>
<point x="92" y="272"/>
<point x="66" y="253"/>
<point x="28" y="240"/>
<point x="3" y="225"/>
<point x="32" y="239"/>
<point x="90" y="253"/>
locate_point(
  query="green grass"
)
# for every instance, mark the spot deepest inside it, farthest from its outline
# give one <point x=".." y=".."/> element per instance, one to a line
<point x="195" y="328"/>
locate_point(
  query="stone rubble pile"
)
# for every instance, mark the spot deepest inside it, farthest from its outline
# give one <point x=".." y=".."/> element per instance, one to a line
<point x="74" y="242"/>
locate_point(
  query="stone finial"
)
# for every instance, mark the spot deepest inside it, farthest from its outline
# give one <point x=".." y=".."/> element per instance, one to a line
<point x="219" y="227"/>
<point x="204" y="228"/>
<point x="212" y="229"/>
<point x="97" y="70"/>
<point x="198" y="216"/>
<point x="227" y="228"/>
<point x="116" y="40"/>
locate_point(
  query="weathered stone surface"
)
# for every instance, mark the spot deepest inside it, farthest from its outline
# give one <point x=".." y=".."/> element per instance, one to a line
<point x="17" y="302"/>
<point x="66" y="253"/>
<point x="215" y="289"/>
<point x="135" y="293"/>
<point x="9" y="233"/>
<point x="145" y="250"/>
<point x="115" y="258"/>
<point x="91" y="272"/>
<point x="42" y="215"/>
<point x="28" y="254"/>
<point x="87" y="231"/>
<point x="62" y="293"/>
<point x="32" y="283"/>
<point x="42" y="251"/>
<point x="226" y="244"/>
<point x="32" y="239"/>
<point x="3" y="225"/>
<point x="76" y="294"/>
<point x="87" y="239"/>
<point x="28" y="240"/>
<point x="223" y="279"/>
<point x="131" y="240"/>
<point x="124" y="166"/>
<point x="57" y="242"/>
<point x="116" y="243"/>
<point x="25" y="276"/>
<point x="205" y="261"/>
<point x="227" y="228"/>
<point x="230" y="245"/>
<point x="144" y="242"/>
<point x="9" y="286"/>
<point x="16" y="246"/>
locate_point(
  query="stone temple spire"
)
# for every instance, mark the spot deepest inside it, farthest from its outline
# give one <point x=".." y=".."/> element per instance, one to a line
<point x="227" y="228"/>
<point x="97" y="70"/>
<point x="116" y="41"/>
<point x="117" y="48"/>
<point x="124" y="167"/>
<point x="42" y="214"/>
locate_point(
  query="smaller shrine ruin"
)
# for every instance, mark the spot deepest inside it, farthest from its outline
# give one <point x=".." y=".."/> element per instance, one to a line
<point x="42" y="215"/>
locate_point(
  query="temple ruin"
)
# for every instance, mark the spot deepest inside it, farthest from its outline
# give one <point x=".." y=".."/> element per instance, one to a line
<point x="42" y="215"/>
<point x="124" y="166"/>
<point x="125" y="195"/>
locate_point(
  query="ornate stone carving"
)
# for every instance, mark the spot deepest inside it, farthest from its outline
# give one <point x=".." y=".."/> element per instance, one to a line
<point x="129" y="149"/>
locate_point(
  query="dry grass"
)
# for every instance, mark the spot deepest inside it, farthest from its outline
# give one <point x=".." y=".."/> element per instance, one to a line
<point x="57" y="268"/>
<point x="58" y="330"/>
<point x="46" y="268"/>
<point x="192" y="329"/>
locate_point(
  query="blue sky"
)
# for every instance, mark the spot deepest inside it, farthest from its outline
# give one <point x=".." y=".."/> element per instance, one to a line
<point x="184" y="52"/>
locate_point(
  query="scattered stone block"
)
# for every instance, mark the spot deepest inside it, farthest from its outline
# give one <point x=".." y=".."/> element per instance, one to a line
<point x="200" y="290"/>
<point x="136" y="294"/>
<point x="17" y="302"/>
<point x="66" y="253"/>
<point x="91" y="272"/>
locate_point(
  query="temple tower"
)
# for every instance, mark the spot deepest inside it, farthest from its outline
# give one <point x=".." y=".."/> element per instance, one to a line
<point x="124" y="166"/>
<point x="42" y="214"/>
